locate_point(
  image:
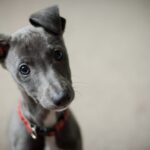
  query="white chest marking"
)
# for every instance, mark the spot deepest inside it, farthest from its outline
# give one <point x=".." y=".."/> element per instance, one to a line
<point x="50" y="144"/>
<point x="50" y="119"/>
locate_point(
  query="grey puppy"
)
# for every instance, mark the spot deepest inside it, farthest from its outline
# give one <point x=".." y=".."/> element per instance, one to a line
<point x="37" y="59"/>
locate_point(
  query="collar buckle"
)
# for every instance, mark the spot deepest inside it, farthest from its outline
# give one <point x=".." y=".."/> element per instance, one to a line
<point x="34" y="131"/>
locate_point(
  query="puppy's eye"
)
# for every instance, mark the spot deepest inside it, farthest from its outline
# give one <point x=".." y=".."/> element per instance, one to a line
<point x="24" y="69"/>
<point x="58" y="55"/>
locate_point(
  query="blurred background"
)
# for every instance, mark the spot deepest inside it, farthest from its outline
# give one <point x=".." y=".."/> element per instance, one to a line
<point x="109" y="47"/>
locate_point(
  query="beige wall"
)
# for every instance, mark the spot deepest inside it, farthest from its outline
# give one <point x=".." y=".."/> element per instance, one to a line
<point x="109" y="47"/>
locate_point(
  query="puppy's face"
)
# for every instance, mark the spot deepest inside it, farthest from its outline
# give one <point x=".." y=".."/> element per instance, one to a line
<point x="37" y="59"/>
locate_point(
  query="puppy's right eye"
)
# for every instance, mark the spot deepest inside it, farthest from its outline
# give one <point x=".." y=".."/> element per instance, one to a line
<point x="24" y="69"/>
<point x="58" y="55"/>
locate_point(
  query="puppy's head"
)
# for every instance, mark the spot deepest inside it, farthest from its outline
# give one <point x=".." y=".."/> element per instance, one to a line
<point x="37" y="59"/>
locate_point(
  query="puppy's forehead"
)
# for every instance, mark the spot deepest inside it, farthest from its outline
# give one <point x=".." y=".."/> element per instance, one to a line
<point x="30" y="39"/>
<point x="26" y="30"/>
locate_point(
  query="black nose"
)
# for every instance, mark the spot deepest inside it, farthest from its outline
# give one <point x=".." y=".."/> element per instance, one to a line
<point x="63" y="99"/>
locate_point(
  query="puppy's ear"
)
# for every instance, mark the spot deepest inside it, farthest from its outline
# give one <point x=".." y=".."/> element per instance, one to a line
<point x="4" y="46"/>
<point x="49" y="19"/>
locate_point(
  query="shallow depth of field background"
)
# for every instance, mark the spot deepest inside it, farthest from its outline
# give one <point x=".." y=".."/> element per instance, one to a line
<point x="109" y="49"/>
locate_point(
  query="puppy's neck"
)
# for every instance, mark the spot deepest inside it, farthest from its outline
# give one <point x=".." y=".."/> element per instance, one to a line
<point x="35" y="113"/>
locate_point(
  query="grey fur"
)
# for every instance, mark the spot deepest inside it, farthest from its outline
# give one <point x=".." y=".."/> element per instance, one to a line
<point x="48" y="83"/>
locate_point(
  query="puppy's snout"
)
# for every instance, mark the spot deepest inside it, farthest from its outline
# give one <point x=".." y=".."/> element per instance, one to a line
<point x="63" y="98"/>
<point x="60" y="96"/>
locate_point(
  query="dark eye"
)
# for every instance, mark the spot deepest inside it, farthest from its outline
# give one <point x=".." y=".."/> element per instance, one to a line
<point x="58" y="55"/>
<point x="24" y="69"/>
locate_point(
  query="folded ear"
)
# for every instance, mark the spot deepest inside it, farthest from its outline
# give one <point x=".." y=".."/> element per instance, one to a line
<point x="49" y="19"/>
<point x="4" y="46"/>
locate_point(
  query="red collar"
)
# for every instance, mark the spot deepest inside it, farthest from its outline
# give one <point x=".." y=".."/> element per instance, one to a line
<point x="34" y="130"/>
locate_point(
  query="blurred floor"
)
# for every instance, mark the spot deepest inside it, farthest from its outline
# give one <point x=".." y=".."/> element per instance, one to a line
<point x="109" y="47"/>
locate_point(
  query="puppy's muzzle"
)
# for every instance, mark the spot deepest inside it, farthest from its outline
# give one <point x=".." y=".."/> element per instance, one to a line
<point x="63" y="98"/>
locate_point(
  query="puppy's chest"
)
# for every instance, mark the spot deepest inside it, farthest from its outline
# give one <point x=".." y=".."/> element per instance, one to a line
<point x="50" y="120"/>
<point x="50" y="143"/>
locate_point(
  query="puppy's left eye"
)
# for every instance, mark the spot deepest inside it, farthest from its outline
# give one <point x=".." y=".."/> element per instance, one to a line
<point x="24" y="69"/>
<point x="58" y="55"/>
